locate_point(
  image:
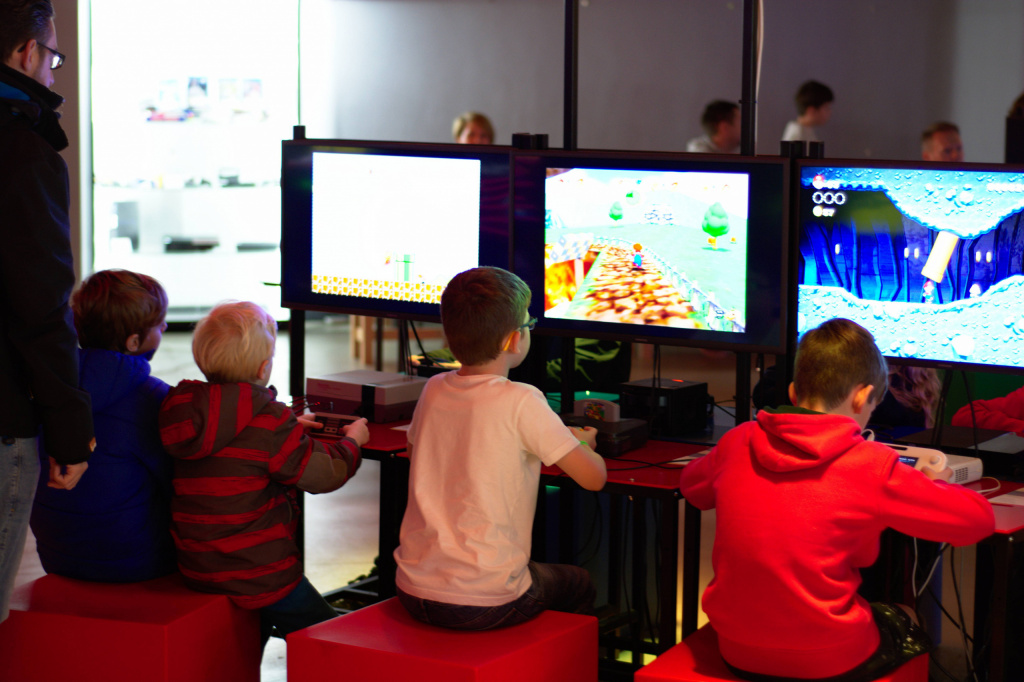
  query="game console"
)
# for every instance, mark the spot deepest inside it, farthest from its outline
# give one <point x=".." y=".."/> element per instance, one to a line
<point x="615" y="435"/>
<point x="965" y="469"/>
<point x="379" y="396"/>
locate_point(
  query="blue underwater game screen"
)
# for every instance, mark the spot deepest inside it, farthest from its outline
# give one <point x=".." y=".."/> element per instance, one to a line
<point x="928" y="259"/>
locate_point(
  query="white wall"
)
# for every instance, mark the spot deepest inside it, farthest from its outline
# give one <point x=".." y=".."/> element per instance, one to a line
<point x="887" y="63"/>
<point x="987" y="73"/>
<point x="401" y="69"/>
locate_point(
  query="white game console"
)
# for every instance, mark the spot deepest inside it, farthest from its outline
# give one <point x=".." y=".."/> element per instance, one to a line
<point x="378" y="396"/>
<point x="965" y="469"/>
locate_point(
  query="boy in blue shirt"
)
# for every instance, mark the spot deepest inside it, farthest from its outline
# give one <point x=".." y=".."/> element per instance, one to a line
<point x="114" y="526"/>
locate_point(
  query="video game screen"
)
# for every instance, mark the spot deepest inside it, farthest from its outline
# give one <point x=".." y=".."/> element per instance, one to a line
<point x="653" y="248"/>
<point x="619" y="246"/>
<point x="382" y="229"/>
<point x="928" y="258"/>
<point x="378" y="223"/>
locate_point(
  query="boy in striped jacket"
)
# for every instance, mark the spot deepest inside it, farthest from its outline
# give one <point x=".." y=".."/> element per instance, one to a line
<point x="241" y="457"/>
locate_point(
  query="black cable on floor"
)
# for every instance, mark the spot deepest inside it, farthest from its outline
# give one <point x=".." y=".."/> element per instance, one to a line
<point x="960" y="610"/>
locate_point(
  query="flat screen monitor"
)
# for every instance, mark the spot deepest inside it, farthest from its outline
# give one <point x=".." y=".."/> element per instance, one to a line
<point x="377" y="228"/>
<point x="655" y="248"/>
<point x="925" y="256"/>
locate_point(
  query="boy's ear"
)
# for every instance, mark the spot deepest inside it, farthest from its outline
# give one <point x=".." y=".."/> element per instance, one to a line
<point x="263" y="374"/>
<point x="132" y="344"/>
<point x="512" y="343"/>
<point x="792" y="392"/>
<point x="861" y="395"/>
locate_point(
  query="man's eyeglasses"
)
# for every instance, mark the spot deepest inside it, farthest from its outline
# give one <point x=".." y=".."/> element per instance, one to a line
<point x="529" y="325"/>
<point x="56" y="59"/>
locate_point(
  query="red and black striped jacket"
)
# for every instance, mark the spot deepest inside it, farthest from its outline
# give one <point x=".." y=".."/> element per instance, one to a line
<point x="238" y="455"/>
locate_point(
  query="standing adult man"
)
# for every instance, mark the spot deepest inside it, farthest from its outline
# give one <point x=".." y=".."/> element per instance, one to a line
<point x="721" y="123"/>
<point x="39" y="390"/>
<point x="941" y="142"/>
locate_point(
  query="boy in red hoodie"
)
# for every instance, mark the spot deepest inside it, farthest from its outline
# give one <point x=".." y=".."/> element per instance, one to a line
<point x="801" y="501"/>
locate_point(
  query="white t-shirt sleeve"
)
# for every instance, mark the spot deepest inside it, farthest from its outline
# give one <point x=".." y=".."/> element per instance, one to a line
<point x="412" y="433"/>
<point x="542" y="431"/>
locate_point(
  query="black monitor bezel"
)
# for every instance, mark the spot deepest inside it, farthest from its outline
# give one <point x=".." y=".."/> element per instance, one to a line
<point x="296" y="220"/>
<point x="767" y="254"/>
<point x="910" y="165"/>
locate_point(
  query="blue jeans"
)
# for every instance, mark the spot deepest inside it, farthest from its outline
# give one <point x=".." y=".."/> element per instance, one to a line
<point x="299" y="609"/>
<point x="19" y="475"/>
<point x="558" y="587"/>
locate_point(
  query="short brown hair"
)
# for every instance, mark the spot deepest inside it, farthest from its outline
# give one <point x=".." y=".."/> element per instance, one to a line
<point x="719" y="111"/>
<point x="812" y="94"/>
<point x="835" y="358"/>
<point x="231" y="343"/>
<point x="463" y="120"/>
<point x="21" y="21"/>
<point x="479" y="309"/>
<point x="111" y="305"/>
<point x="936" y="128"/>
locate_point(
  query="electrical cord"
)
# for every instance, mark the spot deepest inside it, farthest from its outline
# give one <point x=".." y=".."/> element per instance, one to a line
<point x="655" y="383"/>
<point x="731" y="414"/>
<point x="972" y="672"/>
<point x="927" y="580"/>
<point x="946" y="613"/>
<point x="986" y="491"/>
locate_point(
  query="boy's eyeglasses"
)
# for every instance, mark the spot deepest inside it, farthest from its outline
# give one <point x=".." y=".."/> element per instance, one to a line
<point x="529" y="325"/>
<point x="56" y="59"/>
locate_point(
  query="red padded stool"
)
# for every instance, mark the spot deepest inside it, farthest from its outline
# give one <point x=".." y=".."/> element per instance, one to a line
<point x="158" y="630"/>
<point x="383" y="642"/>
<point x="696" y="659"/>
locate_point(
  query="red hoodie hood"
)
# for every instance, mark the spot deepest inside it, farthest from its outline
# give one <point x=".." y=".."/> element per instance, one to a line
<point x="198" y="418"/>
<point x="795" y="439"/>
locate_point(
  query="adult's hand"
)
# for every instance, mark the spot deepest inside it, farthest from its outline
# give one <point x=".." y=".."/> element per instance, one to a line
<point x="65" y="477"/>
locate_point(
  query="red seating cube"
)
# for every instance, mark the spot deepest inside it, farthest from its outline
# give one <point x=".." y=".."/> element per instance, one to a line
<point x="158" y="630"/>
<point x="383" y="642"/>
<point x="696" y="659"/>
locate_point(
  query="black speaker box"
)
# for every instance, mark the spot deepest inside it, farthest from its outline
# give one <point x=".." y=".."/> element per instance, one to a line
<point x="681" y="408"/>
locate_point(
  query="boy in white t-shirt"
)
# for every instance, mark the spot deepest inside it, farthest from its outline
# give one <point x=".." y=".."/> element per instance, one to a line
<point x="814" y="109"/>
<point x="476" y="444"/>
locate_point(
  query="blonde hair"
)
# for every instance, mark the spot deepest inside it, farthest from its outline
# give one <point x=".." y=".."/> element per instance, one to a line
<point x="917" y="388"/>
<point x="463" y="120"/>
<point x="231" y="343"/>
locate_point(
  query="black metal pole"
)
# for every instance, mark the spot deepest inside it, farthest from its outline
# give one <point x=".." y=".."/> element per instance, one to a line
<point x="748" y="140"/>
<point x="572" y="49"/>
<point x="296" y="323"/>
<point x="570" y="121"/>
<point x="297" y="353"/>
<point x="297" y="372"/>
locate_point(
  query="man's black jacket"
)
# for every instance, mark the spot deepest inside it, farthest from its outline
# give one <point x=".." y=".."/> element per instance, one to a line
<point x="38" y="345"/>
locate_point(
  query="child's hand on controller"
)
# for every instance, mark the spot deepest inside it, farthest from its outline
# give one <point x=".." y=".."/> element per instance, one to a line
<point x="587" y="434"/>
<point x="942" y="475"/>
<point x="357" y="431"/>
